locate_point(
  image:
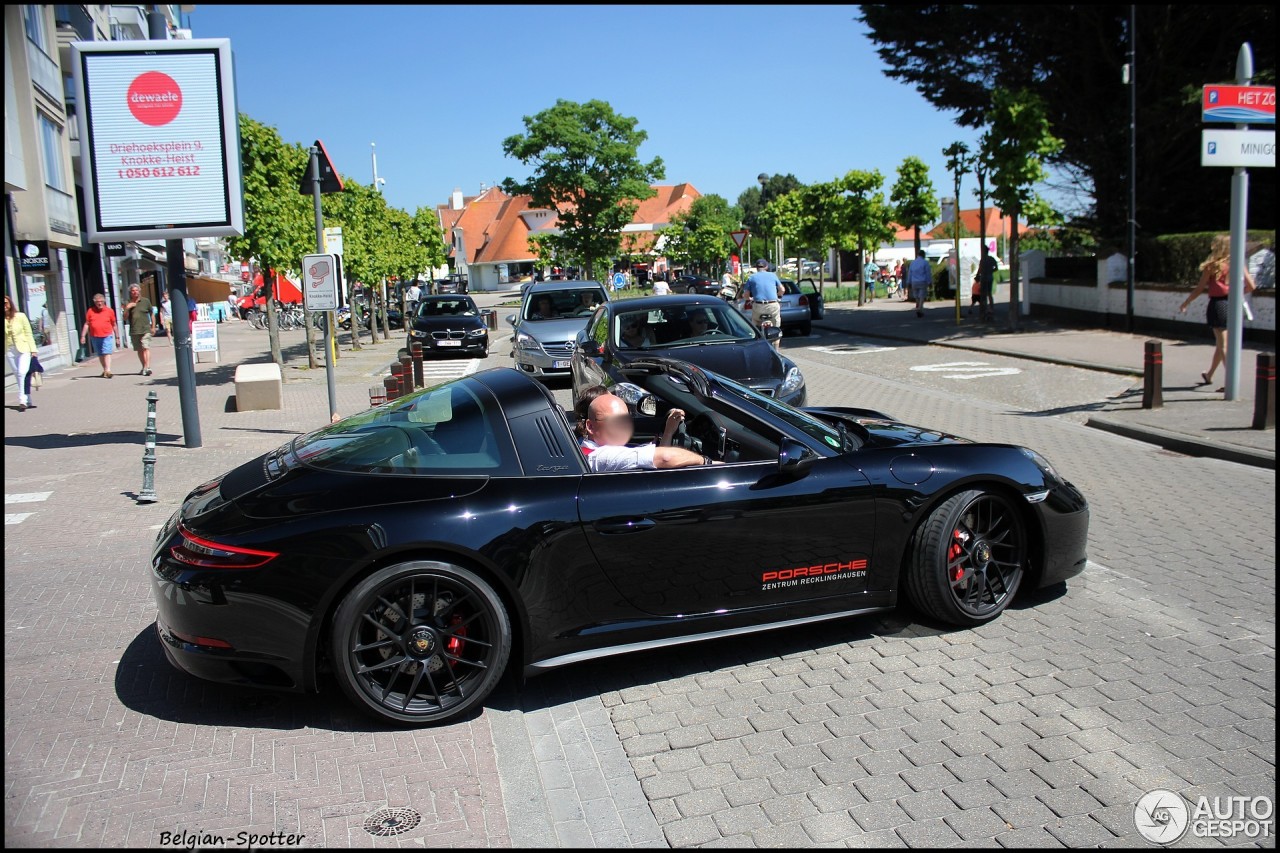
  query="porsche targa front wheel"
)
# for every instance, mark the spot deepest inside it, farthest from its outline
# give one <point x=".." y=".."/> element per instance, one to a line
<point x="968" y="560"/>
<point x="420" y="642"/>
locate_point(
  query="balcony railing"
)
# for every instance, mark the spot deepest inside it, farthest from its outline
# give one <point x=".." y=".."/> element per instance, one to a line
<point x="128" y="23"/>
<point x="75" y="17"/>
<point x="63" y="217"/>
<point x="45" y="72"/>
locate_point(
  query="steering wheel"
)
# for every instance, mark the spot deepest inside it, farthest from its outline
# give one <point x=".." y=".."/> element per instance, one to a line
<point x="419" y="442"/>
<point x="706" y="428"/>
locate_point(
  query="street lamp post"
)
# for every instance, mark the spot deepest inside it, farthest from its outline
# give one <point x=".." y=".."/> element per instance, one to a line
<point x="763" y="178"/>
<point x="378" y="183"/>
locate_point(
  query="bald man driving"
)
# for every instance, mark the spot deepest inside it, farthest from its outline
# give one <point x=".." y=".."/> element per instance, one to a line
<point x="608" y="429"/>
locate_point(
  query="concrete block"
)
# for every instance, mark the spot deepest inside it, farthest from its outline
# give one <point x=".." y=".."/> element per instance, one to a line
<point x="259" y="386"/>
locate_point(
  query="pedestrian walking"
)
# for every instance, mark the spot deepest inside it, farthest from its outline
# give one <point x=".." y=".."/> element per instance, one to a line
<point x="166" y="316"/>
<point x="100" y="324"/>
<point x="142" y="325"/>
<point x="20" y="346"/>
<point x="986" y="284"/>
<point x="660" y="287"/>
<point x="919" y="277"/>
<point x="870" y="274"/>
<point x="765" y="290"/>
<point x="1214" y="274"/>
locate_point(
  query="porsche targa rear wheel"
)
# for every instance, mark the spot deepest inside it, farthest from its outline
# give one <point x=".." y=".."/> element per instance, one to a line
<point x="420" y="642"/>
<point x="968" y="559"/>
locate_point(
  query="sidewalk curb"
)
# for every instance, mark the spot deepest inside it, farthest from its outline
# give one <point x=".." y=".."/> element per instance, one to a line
<point x="1184" y="444"/>
<point x="1048" y="359"/>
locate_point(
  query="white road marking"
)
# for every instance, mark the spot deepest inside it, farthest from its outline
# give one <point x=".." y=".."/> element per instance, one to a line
<point x="16" y="517"/>
<point x="967" y="369"/>
<point x="851" y="349"/>
<point x="26" y="498"/>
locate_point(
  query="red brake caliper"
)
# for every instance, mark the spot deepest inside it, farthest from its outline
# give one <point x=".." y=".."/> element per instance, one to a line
<point x="457" y="641"/>
<point x="956" y="549"/>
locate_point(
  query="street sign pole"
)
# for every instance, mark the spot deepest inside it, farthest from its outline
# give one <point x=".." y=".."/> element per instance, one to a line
<point x="328" y="327"/>
<point x="1239" y="222"/>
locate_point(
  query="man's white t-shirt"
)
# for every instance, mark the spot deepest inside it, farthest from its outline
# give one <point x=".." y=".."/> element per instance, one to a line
<point x="661" y="288"/>
<point x="607" y="458"/>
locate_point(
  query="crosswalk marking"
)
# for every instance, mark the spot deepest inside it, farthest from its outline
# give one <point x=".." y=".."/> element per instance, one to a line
<point x="26" y="498"/>
<point x="16" y="517"/>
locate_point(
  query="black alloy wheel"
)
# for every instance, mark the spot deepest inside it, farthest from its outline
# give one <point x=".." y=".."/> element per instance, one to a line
<point x="420" y="643"/>
<point x="969" y="558"/>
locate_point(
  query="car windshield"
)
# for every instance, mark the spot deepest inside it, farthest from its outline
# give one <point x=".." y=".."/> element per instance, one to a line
<point x="449" y="429"/>
<point x="447" y="308"/>
<point x="560" y="304"/>
<point x="684" y="326"/>
<point x="819" y="430"/>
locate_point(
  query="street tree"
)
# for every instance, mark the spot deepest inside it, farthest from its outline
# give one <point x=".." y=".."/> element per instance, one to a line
<point x="360" y="210"/>
<point x="586" y="167"/>
<point x="700" y="236"/>
<point x="1018" y="140"/>
<point x="1071" y="56"/>
<point x="784" y="217"/>
<point x="959" y="161"/>
<point x="279" y="222"/>
<point x="915" y="200"/>
<point x="867" y="217"/>
<point x="753" y="199"/>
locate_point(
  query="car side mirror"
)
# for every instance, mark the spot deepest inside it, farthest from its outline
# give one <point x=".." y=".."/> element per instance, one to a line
<point x="589" y="345"/>
<point x="511" y="319"/>
<point x="772" y="333"/>
<point x="794" y="459"/>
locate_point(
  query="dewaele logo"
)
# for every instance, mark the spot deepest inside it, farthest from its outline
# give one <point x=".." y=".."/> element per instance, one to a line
<point x="155" y="98"/>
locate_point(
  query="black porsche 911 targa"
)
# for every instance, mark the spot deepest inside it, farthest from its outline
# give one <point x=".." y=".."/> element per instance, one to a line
<point x="417" y="549"/>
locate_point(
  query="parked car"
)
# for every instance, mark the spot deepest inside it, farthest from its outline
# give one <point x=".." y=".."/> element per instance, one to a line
<point x="446" y="325"/>
<point x="690" y="283"/>
<point x="418" y="550"/>
<point x="797" y="308"/>
<point x="551" y="315"/>
<point x="453" y="283"/>
<point x="724" y="341"/>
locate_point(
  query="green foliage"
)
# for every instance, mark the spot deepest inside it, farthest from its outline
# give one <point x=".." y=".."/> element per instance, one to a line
<point x="1018" y="142"/>
<point x="279" y="222"/>
<point x="753" y="199"/>
<point x="700" y="236"/>
<point x="1176" y="258"/>
<point x="867" y="217"/>
<point x="915" y="200"/>
<point x="586" y="167"/>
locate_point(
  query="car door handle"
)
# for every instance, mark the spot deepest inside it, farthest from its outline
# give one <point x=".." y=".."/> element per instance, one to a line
<point x="625" y="525"/>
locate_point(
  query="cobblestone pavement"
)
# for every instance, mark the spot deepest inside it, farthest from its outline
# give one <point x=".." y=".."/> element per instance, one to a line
<point x="1154" y="669"/>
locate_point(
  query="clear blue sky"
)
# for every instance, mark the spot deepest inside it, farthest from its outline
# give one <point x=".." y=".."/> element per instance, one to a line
<point x="724" y="92"/>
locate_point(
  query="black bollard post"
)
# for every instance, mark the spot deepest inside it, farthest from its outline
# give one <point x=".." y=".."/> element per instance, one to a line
<point x="397" y="373"/>
<point x="1153" y="375"/>
<point x="1264" y="399"/>
<point x="148" y="493"/>
<point x="392" y="386"/>
<point x="416" y="353"/>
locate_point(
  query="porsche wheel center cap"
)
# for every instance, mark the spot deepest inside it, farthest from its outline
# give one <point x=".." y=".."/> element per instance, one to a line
<point x="982" y="553"/>
<point x="422" y="642"/>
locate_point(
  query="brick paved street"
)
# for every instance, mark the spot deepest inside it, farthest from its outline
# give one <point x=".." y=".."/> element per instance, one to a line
<point x="1156" y="668"/>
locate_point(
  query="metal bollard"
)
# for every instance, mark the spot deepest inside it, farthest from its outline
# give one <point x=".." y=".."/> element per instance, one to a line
<point x="148" y="493"/>
<point x="397" y="373"/>
<point x="1153" y="375"/>
<point x="392" y="386"/>
<point x="406" y="366"/>
<point x="1264" y="399"/>
<point x="416" y="354"/>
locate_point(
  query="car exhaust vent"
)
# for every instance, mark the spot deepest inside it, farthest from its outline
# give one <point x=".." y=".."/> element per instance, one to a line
<point x="551" y="436"/>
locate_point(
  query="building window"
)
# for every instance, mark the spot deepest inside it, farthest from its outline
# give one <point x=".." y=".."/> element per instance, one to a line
<point x="33" y="20"/>
<point x="51" y="147"/>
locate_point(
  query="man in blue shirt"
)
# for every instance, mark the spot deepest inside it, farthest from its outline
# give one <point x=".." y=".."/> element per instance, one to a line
<point x="765" y="290"/>
<point x="919" y="277"/>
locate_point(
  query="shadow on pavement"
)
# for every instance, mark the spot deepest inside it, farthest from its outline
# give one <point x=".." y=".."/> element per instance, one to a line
<point x="147" y="683"/>
<point x="56" y="441"/>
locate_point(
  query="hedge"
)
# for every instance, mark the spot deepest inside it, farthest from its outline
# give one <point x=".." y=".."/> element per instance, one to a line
<point x="1176" y="258"/>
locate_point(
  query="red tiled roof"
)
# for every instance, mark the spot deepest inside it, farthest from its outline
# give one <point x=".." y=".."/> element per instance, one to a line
<point x="507" y="238"/>
<point x="997" y="223"/>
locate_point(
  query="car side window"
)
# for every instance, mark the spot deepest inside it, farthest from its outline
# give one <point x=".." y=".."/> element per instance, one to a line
<point x="600" y="328"/>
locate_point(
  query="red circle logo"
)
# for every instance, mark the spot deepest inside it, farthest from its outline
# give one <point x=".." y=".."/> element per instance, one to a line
<point x="154" y="98"/>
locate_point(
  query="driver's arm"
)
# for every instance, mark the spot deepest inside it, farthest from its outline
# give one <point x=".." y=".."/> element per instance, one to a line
<point x="674" y="418"/>
<point x="678" y="457"/>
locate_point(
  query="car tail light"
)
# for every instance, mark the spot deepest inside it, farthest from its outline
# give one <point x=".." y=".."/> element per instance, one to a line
<point x="804" y="300"/>
<point x="207" y="554"/>
<point x="207" y="642"/>
<point x="746" y="304"/>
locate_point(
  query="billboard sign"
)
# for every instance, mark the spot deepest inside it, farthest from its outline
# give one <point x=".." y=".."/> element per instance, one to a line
<point x="158" y="124"/>
<point x="1247" y="148"/>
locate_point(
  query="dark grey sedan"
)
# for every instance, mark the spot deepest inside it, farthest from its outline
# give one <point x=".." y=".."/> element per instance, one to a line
<point x="449" y="325"/>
